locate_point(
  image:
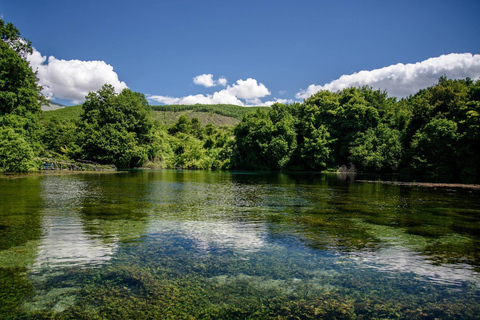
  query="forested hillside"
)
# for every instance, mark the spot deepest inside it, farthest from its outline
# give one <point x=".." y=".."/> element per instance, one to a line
<point x="435" y="131"/>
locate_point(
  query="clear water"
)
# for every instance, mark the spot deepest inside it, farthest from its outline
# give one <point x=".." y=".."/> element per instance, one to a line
<point x="217" y="245"/>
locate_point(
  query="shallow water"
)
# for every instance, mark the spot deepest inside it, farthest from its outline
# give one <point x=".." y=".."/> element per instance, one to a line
<point x="213" y="245"/>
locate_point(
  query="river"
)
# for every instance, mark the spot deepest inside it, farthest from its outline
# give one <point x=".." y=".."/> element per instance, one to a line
<point x="236" y="245"/>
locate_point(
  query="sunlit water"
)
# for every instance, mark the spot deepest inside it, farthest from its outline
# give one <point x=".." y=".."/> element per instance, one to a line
<point x="195" y="244"/>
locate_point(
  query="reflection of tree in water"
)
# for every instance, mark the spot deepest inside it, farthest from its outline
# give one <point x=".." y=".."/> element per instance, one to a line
<point x="20" y="229"/>
<point x="386" y="227"/>
<point x="19" y="207"/>
<point x="116" y="206"/>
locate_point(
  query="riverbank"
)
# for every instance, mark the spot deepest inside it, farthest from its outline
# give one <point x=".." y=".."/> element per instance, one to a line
<point x="426" y="184"/>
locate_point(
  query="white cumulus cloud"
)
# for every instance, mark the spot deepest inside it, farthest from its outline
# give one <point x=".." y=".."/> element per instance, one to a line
<point x="402" y="80"/>
<point x="72" y="79"/>
<point x="220" y="97"/>
<point x="222" y="81"/>
<point x="248" y="90"/>
<point x="206" y="80"/>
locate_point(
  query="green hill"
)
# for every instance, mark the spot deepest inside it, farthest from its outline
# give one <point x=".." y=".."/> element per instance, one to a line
<point x="228" y="110"/>
<point x="66" y="113"/>
<point x="219" y="114"/>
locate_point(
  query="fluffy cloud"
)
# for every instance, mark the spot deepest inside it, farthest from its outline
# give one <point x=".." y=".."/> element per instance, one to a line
<point x="249" y="90"/>
<point x="220" y="97"/>
<point x="401" y="80"/>
<point x="222" y="81"/>
<point x="283" y="101"/>
<point x="72" y="79"/>
<point x="206" y="80"/>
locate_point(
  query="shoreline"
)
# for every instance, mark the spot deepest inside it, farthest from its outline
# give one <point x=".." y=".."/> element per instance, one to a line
<point x="426" y="184"/>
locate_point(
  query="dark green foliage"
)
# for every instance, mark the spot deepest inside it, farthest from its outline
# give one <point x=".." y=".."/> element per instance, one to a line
<point x="442" y="136"/>
<point x="116" y="128"/>
<point x="266" y="140"/>
<point x="435" y="131"/>
<point x="20" y="100"/>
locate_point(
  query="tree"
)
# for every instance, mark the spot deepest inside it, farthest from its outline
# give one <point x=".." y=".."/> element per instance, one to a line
<point x="20" y="101"/>
<point x="116" y="128"/>
<point x="435" y="147"/>
<point x="377" y="150"/>
<point x="187" y="126"/>
<point x="252" y="135"/>
<point x="264" y="140"/>
<point x="16" y="154"/>
<point x="60" y="137"/>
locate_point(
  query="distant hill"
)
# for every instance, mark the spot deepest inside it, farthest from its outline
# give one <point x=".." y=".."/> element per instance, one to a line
<point x="219" y="114"/>
<point x="52" y="106"/>
<point x="66" y="113"/>
<point x="228" y="110"/>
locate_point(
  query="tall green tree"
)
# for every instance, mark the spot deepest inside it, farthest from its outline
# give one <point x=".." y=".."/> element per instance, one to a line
<point x="264" y="140"/>
<point x="435" y="147"/>
<point x="442" y="136"/>
<point x="20" y="101"/>
<point x="377" y="150"/>
<point x="116" y="128"/>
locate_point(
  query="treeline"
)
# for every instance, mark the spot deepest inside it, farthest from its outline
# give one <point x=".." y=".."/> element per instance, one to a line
<point x="435" y="131"/>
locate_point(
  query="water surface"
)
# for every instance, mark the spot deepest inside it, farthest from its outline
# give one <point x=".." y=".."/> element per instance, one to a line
<point x="216" y="245"/>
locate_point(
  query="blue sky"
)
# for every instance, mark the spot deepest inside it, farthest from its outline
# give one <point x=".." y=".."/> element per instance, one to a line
<point x="246" y="52"/>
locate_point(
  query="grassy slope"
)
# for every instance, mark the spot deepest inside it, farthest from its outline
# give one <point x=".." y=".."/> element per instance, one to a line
<point x="66" y="113"/>
<point x="219" y="115"/>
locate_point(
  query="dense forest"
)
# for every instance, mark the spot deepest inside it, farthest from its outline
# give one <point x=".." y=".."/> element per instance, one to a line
<point x="435" y="131"/>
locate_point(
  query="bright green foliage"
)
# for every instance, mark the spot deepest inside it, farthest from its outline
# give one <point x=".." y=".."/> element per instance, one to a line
<point x="228" y="110"/>
<point x="252" y="135"/>
<point x="72" y="113"/>
<point x="189" y="152"/>
<point x="355" y="115"/>
<point x="316" y="118"/>
<point x="435" y="131"/>
<point x="314" y="149"/>
<point x="341" y="117"/>
<point x="187" y="126"/>
<point x="20" y="100"/>
<point x="198" y="147"/>
<point x="60" y="136"/>
<point x="443" y="133"/>
<point x="266" y="140"/>
<point x="116" y="128"/>
<point x="16" y="154"/>
<point x="377" y="149"/>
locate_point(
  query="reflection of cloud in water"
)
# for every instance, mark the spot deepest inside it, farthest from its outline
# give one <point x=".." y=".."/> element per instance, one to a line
<point x="401" y="259"/>
<point x="209" y="234"/>
<point x="233" y="235"/>
<point x="65" y="243"/>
